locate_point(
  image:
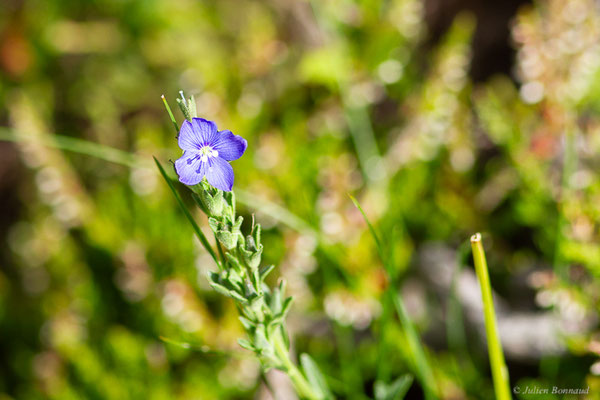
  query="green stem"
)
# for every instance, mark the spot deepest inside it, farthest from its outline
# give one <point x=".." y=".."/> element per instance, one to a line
<point x="499" y="369"/>
<point x="303" y="388"/>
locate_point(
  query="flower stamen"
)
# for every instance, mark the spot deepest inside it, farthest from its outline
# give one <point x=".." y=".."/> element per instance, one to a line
<point x="207" y="151"/>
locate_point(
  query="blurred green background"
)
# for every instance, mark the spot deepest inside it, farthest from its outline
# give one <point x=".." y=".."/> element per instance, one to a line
<point x="443" y="118"/>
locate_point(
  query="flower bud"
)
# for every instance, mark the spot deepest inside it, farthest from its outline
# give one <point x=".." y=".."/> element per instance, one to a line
<point x="252" y="250"/>
<point x="187" y="107"/>
<point x="226" y="233"/>
<point x="211" y="199"/>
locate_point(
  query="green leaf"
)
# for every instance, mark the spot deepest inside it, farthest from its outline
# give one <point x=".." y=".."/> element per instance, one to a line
<point x="211" y="202"/>
<point x="247" y="323"/>
<point x="315" y="377"/>
<point x="275" y="302"/>
<point x="227" y="239"/>
<point x="246" y="344"/>
<point x="235" y="277"/>
<point x="282" y="286"/>
<point x="214" y="224"/>
<point x="234" y="263"/>
<point x="394" y="391"/>
<point x="285" y="336"/>
<point x="238" y="297"/>
<point x="187" y="213"/>
<point x="230" y="201"/>
<point x="194" y="347"/>
<point x="249" y="290"/>
<point x="265" y="271"/>
<point x="425" y="373"/>
<point x="79" y="146"/>
<point x="281" y="314"/>
<point x="260" y="338"/>
<point x="287" y="303"/>
<point x="220" y="289"/>
<point x="251" y="257"/>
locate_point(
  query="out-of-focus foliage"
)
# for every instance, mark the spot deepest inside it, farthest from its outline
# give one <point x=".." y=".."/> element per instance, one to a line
<point x="103" y="290"/>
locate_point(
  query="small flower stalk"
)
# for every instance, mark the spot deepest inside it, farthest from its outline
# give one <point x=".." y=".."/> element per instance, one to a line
<point x="204" y="167"/>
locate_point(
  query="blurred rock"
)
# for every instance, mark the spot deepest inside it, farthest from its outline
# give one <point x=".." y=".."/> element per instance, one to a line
<point x="524" y="335"/>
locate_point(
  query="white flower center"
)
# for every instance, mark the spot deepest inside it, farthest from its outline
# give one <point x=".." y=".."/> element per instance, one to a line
<point x="206" y="152"/>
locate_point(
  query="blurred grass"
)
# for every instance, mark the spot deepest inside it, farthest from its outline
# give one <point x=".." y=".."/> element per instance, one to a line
<point x="334" y="98"/>
<point x="422" y="369"/>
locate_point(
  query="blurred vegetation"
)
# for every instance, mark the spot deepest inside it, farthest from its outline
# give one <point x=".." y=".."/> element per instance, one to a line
<point x="103" y="291"/>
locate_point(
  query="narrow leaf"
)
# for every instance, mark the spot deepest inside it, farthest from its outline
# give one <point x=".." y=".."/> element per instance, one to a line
<point x="246" y="344"/>
<point x="395" y="391"/>
<point x="424" y="371"/>
<point x="314" y="376"/>
<point x="265" y="271"/>
<point x="287" y="303"/>
<point x="285" y="336"/>
<point x="170" y="114"/>
<point x="238" y="297"/>
<point x="220" y="289"/>
<point x="276" y="301"/>
<point x="194" y="346"/>
<point x="78" y="146"/>
<point x="247" y="323"/>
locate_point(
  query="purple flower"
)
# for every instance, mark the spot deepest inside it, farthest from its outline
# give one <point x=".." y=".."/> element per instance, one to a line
<point x="206" y="152"/>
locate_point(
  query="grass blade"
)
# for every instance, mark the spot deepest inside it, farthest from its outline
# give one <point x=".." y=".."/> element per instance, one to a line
<point x="202" y="348"/>
<point x="187" y="213"/>
<point x="371" y="229"/>
<point x="170" y="114"/>
<point x="278" y="213"/>
<point x="424" y="371"/>
<point x="499" y="370"/>
<point x="80" y="146"/>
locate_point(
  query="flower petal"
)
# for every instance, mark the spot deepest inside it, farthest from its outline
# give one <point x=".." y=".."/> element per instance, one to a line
<point x="193" y="135"/>
<point x="219" y="174"/>
<point x="230" y="146"/>
<point x="206" y="129"/>
<point x="188" y="139"/>
<point x="190" y="168"/>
